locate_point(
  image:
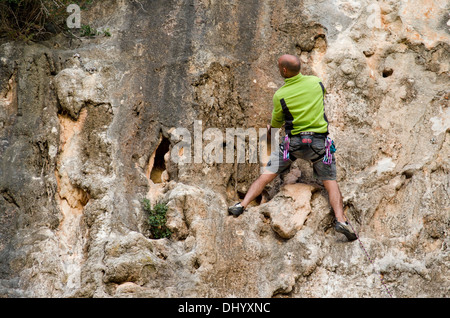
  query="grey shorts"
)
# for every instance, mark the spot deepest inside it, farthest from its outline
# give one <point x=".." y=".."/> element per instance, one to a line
<point x="307" y="147"/>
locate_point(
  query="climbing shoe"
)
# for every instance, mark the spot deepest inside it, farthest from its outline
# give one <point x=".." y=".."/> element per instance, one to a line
<point x="236" y="209"/>
<point x="345" y="229"/>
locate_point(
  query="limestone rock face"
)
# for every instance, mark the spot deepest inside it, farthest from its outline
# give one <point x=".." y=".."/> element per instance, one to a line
<point x="289" y="209"/>
<point x="88" y="130"/>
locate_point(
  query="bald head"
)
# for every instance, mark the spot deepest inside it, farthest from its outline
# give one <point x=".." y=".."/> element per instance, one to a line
<point x="289" y="65"/>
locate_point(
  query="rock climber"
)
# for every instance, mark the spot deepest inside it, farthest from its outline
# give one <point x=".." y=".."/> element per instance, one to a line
<point x="299" y="105"/>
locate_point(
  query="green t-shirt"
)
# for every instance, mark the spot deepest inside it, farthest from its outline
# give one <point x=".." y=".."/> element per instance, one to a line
<point x="299" y="104"/>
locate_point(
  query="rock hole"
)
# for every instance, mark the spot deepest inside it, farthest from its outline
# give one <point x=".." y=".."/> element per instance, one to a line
<point x="241" y="195"/>
<point x="387" y="72"/>
<point x="158" y="172"/>
<point x="196" y="264"/>
<point x="409" y="173"/>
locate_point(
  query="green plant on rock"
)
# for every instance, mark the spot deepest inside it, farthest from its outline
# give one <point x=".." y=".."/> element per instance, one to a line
<point x="35" y="20"/>
<point x="88" y="31"/>
<point x="157" y="219"/>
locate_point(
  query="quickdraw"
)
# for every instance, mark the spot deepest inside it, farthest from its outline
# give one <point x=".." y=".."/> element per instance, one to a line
<point x="330" y="148"/>
<point x="286" y="148"/>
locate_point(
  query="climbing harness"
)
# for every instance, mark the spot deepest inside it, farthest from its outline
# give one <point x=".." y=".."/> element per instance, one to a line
<point x="370" y="260"/>
<point x="286" y="148"/>
<point x="330" y="148"/>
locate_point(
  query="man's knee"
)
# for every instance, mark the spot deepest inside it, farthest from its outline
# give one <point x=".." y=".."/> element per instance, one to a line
<point x="331" y="186"/>
<point x="266" y="177"/>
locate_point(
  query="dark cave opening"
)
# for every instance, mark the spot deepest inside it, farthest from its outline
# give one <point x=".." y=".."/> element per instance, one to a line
<point x="159" y="163"/>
